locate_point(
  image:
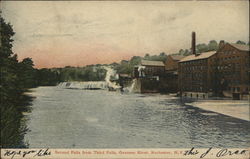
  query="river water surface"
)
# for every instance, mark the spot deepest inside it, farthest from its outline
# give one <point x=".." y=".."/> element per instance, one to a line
<point x="71" y="118"/>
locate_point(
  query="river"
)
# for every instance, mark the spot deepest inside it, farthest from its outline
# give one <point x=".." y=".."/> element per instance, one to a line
<point x="72" y="118"/>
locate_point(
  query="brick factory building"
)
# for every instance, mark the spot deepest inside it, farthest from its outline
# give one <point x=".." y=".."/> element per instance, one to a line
<point x="225" y="72"/>
<point x="232" y="68"/>
<point x="196" y="72"/>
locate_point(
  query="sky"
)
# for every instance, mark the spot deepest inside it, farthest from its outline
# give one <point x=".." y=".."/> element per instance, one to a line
<point x="79" y="33"/>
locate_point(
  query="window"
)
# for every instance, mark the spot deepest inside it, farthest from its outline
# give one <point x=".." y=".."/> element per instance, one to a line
<point x="238" y="89"/>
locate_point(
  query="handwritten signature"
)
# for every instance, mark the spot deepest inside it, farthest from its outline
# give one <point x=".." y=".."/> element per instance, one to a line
<point x="23" y="153"/>
<point x="219" y="153"/>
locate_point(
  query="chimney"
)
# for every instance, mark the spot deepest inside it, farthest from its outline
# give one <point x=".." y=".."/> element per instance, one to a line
<point x="221" y="44"/>
<point x="193" y="44"/>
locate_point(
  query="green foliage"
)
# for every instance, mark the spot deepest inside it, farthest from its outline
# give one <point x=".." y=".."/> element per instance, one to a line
<point x="213" y="45"/>
<point x="11" y="91"/>
<point x="240" y="42"/>
<point x="126" y="67"/>
<point x="88" y="73"/>
<point x="201" y="48"/>
<point x="185" y="52"/>
<point x="161" y="57"/>
<point x="16" y="78"/>
<point x="27" y="73"/>
<point x="47" y="77"/>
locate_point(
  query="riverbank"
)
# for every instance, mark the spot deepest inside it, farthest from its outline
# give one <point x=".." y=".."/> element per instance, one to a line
<point x="234" y="108"/>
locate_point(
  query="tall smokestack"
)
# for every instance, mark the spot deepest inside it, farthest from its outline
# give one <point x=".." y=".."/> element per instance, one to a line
<point x="193" y="43"/>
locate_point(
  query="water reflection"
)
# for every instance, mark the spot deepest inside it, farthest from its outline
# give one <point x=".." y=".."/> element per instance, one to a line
<point x="64" y="118"/>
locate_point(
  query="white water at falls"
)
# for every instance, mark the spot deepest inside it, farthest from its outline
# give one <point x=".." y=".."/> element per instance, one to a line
<point x="84" y="85"/>
<point x="107" y="84"/>
<point x="133" y="87"/>
<point x="110" y="73"/>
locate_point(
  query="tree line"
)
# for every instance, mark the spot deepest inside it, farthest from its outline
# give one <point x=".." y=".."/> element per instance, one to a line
<point x="87" y="73"/>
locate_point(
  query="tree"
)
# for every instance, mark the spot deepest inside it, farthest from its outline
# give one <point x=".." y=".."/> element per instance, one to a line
<point x="12" y="132"/>
<point x="240" y="42"/>
<point x="186" y="52"/>
<point x="213" y="45"/>
<point x="201" y="48"/>
<point x="146" y="55"/>
<point x="26" y="73"/>
<point x="135" y="60"/>
<point x="162" y="54"/>
<point x="181" y="51"/>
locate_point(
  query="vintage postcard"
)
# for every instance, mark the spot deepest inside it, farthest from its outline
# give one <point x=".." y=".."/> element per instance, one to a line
<point x="125" y="79"/>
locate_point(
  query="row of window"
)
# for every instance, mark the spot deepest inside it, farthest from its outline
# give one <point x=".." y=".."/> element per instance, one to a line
<point x="194" y="68"/>
<point x="193" y="62"/>
<point x="220" y="67"/>
<point x="198" y="89"/>
<point x="228" y="52"/>
<point x="230" y="74"/>
<point x="231" y="66"/>
<point x="229" y="58"/>
<point x="238" y="89"/>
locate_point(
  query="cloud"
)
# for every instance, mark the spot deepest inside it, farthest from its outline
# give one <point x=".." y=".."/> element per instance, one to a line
<point x="54" y="31"/>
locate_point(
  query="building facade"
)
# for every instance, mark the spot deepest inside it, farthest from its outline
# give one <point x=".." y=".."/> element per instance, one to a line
<point x="225" y="72"/>
<point x="233" y="68"/>
<point x="149" y="69"/>
<point x="195" y="72"/>
<point x="148" y="76"/>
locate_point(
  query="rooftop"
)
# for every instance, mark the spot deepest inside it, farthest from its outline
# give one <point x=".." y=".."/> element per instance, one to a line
<point x="177" y="57"/>
<point x="152" y="63"/>
<point x="240" y="47"/>
<point x="124" y="75"/>
<point x="203" y="55"/>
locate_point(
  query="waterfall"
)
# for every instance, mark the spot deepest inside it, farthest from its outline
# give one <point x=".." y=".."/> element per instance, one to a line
<point x="107" y="84"/>
<point x="84" y="85"/>
<point x="131" y="88"/>
<point x="110" y="72"/>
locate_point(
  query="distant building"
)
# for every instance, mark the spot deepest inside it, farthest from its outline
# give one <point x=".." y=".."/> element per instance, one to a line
<point x="171" y="64"/>
<point x="148" y="76"/>
<point x="153" y="68"/>
<point x="233" y="68"/>
<point x="171" y="73"/>
<point x="149" y="69"/>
